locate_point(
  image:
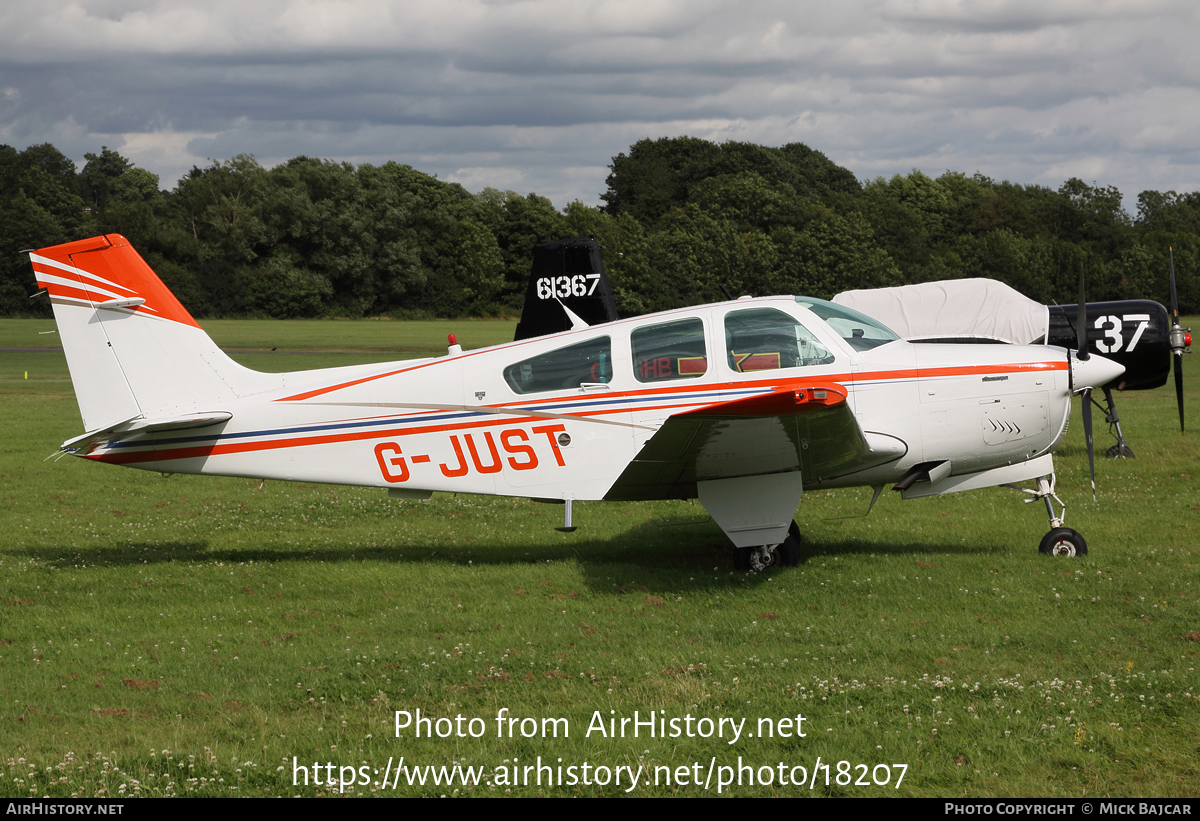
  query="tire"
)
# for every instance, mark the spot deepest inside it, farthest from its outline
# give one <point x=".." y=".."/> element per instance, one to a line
<point x="789" y="552"/>
<point x="1118" y="452"/>
<point x="741" y="558"/>
<point x="794" y="532"/>
<point x="1063" y="541"/>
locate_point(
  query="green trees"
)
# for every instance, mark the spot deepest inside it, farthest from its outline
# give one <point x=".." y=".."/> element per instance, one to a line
<point x="316" y="238"/>
<point x="1031" y="237"/>
<point x="517" y="223"/>
<point x="683" y="221"/>
<point x="744" y="217"/>
<point x="40" y="204"/>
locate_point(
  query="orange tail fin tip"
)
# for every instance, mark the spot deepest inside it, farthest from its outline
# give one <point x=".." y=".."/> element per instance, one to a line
<point x="134" y="352"/>
<point x="106" y="269"/>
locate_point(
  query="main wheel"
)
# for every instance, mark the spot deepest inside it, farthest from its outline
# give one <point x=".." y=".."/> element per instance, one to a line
<point x="756" y="559"/>
<point x="789" y="551"/>
<point x="1063" y="541"/>
<point x="741" y="558"/>
<point x="1118" y="452"/>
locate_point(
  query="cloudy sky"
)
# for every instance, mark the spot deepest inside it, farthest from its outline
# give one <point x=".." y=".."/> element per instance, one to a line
<point x="536" y="95"/>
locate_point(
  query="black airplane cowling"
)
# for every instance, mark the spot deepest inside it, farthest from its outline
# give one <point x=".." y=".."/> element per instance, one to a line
<point x="1112" y="332"/>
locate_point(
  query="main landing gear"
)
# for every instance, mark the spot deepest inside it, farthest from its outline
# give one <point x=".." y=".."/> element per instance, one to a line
<point x="1060" y="541"/>
<point x="785" y="554"/>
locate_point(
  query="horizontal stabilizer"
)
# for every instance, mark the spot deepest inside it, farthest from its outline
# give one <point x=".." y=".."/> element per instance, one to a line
<point x="137" y="425"/>
<point x="87" y="441"/>
<point x="186" y="422"/>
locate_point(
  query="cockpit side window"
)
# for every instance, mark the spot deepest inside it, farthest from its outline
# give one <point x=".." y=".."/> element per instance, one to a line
<point x="861" y="332"/>
<point x="672" y="350"/>
<point x="563" y="369"/>
<point x="764" y="339"/>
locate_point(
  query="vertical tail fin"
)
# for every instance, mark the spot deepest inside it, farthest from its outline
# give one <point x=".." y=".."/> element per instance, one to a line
<point x="568" y="285"/>
<point x="133" y="350"/>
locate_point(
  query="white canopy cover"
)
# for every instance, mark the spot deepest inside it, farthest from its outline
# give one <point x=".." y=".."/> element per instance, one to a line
<point x="953" y="308"/>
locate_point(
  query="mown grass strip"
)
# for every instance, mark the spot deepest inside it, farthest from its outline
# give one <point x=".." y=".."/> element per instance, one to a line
<point x="190" y="635"/>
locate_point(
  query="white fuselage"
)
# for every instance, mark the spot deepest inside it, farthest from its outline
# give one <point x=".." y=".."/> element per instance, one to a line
<point x="461" y="423"/>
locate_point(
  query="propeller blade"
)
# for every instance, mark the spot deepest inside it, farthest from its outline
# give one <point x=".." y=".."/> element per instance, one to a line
<point x="1179" y="386"/>
<point x="1174" y="297"/>
<point x="1087" y="432"/>
<point x="1177" y="339"/>
<point x="1081" y="326"/>
<point x="1082" y="355"/>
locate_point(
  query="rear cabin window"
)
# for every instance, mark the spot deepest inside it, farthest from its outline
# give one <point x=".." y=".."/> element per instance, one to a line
<point x="563" y="369"/>
<point x="673" y="350"/>
<point x="764" y="339"/>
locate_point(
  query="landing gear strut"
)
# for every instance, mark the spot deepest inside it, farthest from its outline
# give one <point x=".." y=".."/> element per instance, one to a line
<point x="1060" y="541"/>
<point x="758" y="559"/>
<point x="1120" y="450"/>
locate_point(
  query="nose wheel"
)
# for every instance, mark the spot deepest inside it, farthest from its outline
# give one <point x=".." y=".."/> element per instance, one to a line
<point x="1063" y="541"/>
<point x="1060" y="541"/>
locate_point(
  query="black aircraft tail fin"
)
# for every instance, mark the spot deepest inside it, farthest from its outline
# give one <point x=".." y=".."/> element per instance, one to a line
<point x="567" y="273"/>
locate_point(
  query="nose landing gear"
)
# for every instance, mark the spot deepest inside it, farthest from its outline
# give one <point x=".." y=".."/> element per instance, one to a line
<point x="1060" y="541"/>
<point x="1063" y="541"/>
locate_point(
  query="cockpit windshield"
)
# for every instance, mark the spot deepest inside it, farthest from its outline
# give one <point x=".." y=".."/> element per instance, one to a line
<point x="860" y="331"/>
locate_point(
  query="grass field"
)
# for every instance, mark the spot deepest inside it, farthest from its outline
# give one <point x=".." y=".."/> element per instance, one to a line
<point x="191" y="635"/>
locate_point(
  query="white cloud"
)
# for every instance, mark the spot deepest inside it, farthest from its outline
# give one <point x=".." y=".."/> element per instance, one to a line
<point x="544" y="93"/>
<point x="478" y="177"/>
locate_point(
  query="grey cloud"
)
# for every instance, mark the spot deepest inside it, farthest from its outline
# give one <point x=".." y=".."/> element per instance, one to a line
<point x="546" y="94"/>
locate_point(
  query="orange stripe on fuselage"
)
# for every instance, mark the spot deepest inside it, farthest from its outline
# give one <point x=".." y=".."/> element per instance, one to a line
<point x="659" y="393"/>
<point x="960" y="370"/>
<point x="691" y="387"/>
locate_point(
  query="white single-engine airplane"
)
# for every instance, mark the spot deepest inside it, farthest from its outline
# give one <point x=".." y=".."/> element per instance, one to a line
<point x="742" y="404"/>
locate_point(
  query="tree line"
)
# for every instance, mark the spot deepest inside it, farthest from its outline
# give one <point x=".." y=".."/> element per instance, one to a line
<point x="684" y="221"/>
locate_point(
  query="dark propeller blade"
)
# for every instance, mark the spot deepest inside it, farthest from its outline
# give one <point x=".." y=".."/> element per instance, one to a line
<point x="1083" y="356"/>
<point x="1179" y="386"/>
<point x="1087" y="432"/>
<point x="1177" y="342"/>
<point x="1081" y="328"/>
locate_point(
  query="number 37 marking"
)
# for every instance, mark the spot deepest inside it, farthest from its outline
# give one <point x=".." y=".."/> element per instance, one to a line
<point x="1111" y="343"/>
